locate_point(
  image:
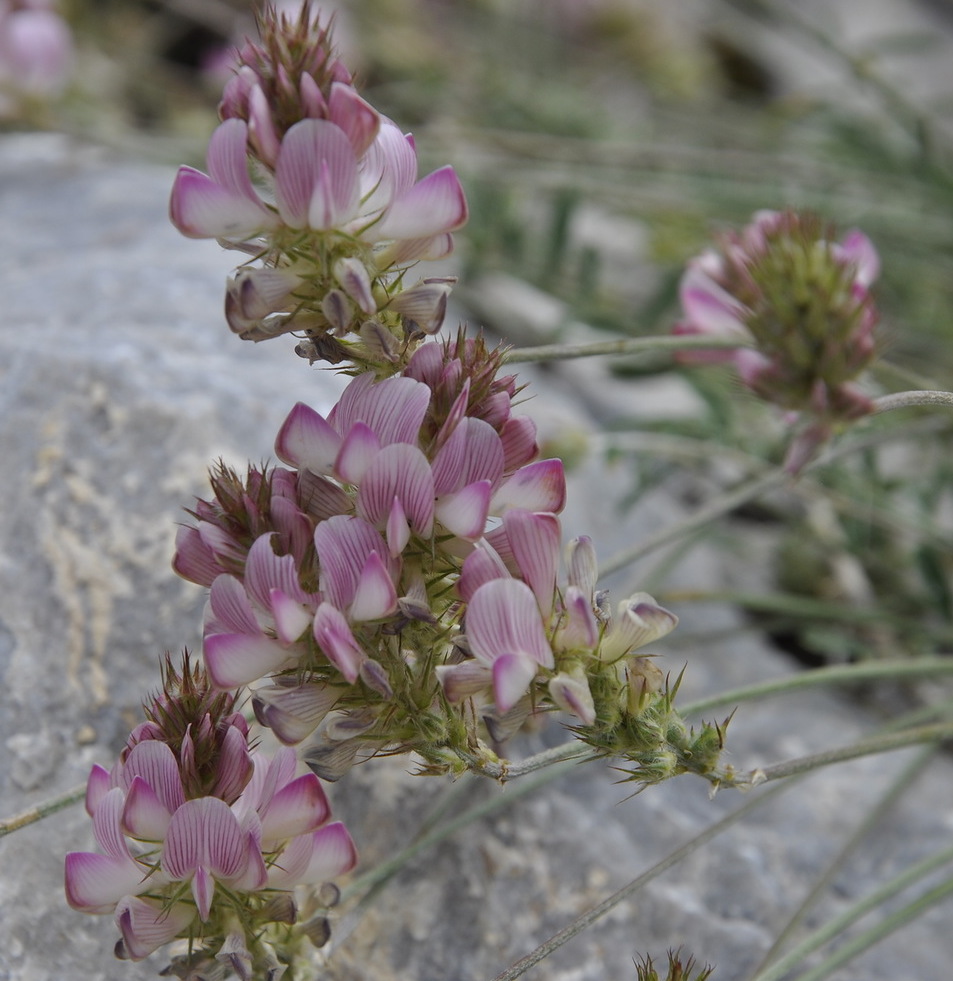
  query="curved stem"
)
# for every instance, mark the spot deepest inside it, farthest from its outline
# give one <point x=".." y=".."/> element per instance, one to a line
<point x="627" y="345"/>
<point x="590" y="916"/>
<point x="883" y="743"/>
<point x="505" y="770"/>
<point x="903" y="400"/>
<point x="907" y="668"/>
<point x="51" y="806"/>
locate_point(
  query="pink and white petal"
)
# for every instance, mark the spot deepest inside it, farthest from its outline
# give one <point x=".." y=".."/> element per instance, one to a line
<point x="518" y="437"/>
<point x="360" y="121"/>
<point x="234" y="660"/>
<point x="227" y="159"/>
<point x="572" y="694"/>
<point x="298" y="808"/>
<point x="234" y="768"/>
<point x="535" y="540"/>
<point x="375" y="596"/>
<point x="503" y="617"/>
<point x="402" y="252"/>
<point x="464" y="680"/>
<point x="97" y="786"/>
<point x="512" y="674"/>
<point x="312" y="100"/>
<point x="358" y="450"/>
<point x="306" y="442"/>
<point x="204" y="833"/>
<point x="265" y="571"/>
<point x="638" y="621"/>
<point x="334" y="637"/>
<point x="484" y="455"/>
<point x="539" y="486"/>
<point x="261" y="127"/>
<point x="709" y="308"/>
<point x="146" y="924"/>
<point x="203" y="891"/>
<point x="292" y="618"/>
<point x="434" y="205"/>
<point x="393" y="408"/>
<point x="144" y="816"/>
<point x="332" y="854"/>
<point x="355" y="280"/>
<point x="95" y="883"/>
<point x="449" y="462"/>
<point x="389" y="168"/>
<point x="193" y="559"/>
<point x="230" y="607"/>
<point x="293" y="713"/>
<point x="465" y="512"/>
<point x="343" y="544"/>
<point x="856" y="248"/>
<point x="579" y="629"/>
<point x="397" y="529"/>
<point x="155" y="762"/>
<point x="480" y="566"/>
<point x="402" y="471"/>
<point x="316" y="176"/>
<point x="201" y="208"/>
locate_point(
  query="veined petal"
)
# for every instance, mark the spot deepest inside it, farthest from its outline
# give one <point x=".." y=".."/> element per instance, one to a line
<point x="294" y="713"/>
<point x="389" y="167"/>
<point x="432" y="206"/>
<point x="463" y="680"/>
<point x="360" y="121"/>
<point x="539" y="486"/>
<point x="193" y="559"/>
<point x="571" y="693"/>
<point x="484" y="453"/>
<point x="512" y="674"/>
<point x="97" y="786"/>
<point x="316" y="181"/>
<point x="354" y="279"/>
<point x="397" y="529"/>
<point x="335" y="639"/>
<point x="265" y="571"/>
<point x="306" y="441"/>
<point x="503" y="618"/>
<point x="234" y="660"/>
<point x="228" y="603"/>
<point x="402" y="471"/>
<point x="375" y="596"/>
<point x="343" y="544"/>
<point x="535" y="540"/>
<point x="518" y="437"/>
<point x="479" y="567"/>
<point x="578" y="629"/>
<point x="359" y="448"/>
<point x="465" y="512"/>
<point x="201" y="208"/>
<point x="95" y="883"/>
<point x="147" y="924"/>
<point x="638" y="622"/>
<point x="227" y="158"/>
<point x="204" y="834"/>
<point x="332" y="854"/>
<point x="393" y="408"/>
<point x="155" y="762"/>
<point x="298" y="808"/>
<point x="404" y="251"/>
<point x="145" y="816"/>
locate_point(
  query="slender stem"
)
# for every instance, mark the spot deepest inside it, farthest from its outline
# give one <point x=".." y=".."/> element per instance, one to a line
<point x="834" y="927"/>
<point x="766" y="971"/>
<point x="908" y="668"/>
<point x="903" y="400"/>
<point x="626" y="345"/>
<point x="882" y="930"/>
<point x="33" y="814"/>
<point x="590" y="916"/>
<point x="506" y="770"/>
<point x="883" y="743"/>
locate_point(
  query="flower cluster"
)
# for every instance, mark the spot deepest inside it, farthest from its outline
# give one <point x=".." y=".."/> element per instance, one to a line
<point x="337" y="215"/>
<point x="784" y="285"/>
<point x="395" y="586"/>
<point x="36" y="53"/>
<point x="205" y="838"/>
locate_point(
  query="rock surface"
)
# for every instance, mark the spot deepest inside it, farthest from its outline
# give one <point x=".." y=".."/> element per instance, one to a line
<point x="120" y="384"/>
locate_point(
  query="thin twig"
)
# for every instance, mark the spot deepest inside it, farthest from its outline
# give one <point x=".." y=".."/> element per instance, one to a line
<point x="40" y="811"/>
<point x="903" y="400"/>
<point x="625" y="345"/>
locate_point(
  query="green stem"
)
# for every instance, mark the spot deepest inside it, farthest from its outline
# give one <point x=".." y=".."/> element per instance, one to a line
<point x="590" y="916"/>
<point x="33" y="814"/>
<point x="903" y="400"/>
<point x="627" y="345"/>
<point x="766" y="971"/>
<point x="906" y="669"/>
<point x="507" y="770"/>
<point x="883" y="929"/>
<point x="883" y="743"/>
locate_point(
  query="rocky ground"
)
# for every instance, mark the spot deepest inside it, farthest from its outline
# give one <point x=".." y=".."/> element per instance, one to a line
<point x="119" y="384"/>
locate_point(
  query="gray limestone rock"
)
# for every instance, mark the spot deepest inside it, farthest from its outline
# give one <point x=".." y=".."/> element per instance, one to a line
<point x="119" y="384"/>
